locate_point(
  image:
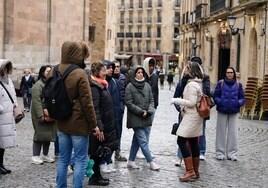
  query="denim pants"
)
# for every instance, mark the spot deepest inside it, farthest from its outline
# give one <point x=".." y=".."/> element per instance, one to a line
<point x="119" y="128"/>
<point x="67" y="144"/>
<point x="202" y="140"/>
<point x="27" y="99"/>
<point x="141" y="140"/>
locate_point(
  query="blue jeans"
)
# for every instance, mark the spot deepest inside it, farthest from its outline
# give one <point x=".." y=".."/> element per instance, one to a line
<point x="67" y="144"/>
<point x="141" y="140"/>
<point x="202" y="140"/>
<point x="56" y="147"/>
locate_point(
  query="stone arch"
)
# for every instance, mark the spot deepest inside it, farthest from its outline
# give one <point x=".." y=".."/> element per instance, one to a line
<point x="253" y="50"/>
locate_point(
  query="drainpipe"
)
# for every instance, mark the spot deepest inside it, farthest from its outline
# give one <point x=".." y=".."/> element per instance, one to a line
<point x="2" y="55"/>
<point x="265" y="36"/>
<point x="48" y="31"/>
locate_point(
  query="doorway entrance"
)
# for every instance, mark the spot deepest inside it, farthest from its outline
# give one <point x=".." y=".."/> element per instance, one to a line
<point x="224" y="62"/>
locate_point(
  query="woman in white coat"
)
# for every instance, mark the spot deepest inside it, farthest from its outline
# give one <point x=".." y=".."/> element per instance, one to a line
<point x="191" y="125"/>
<point x="8" y="135"/>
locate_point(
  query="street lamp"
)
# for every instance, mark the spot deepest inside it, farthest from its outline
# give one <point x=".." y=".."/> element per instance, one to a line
<point x="231" y="20"/>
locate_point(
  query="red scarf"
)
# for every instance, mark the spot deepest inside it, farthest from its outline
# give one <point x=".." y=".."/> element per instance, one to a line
<point x="101" y="81"/>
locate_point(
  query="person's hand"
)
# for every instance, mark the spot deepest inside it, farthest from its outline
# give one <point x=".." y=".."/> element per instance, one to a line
<point x="144" y="114"/>
<point x="173" y="101"/>
<point x="96" y="131"/>
<point x="101" y="136"/>
<point x="45" y="112"/>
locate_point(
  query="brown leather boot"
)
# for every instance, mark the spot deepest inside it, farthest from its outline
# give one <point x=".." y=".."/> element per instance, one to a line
<point x="189" y="174"/>
<point x="196" y="166"/>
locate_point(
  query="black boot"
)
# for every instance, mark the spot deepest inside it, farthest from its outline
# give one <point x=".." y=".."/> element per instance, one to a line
<point x="3" y="169"/>
<point x="98" y="181"/>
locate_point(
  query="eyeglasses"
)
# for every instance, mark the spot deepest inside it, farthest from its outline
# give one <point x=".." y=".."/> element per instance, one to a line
<point x="229" y="72"/>
<point x="117" y="66"/>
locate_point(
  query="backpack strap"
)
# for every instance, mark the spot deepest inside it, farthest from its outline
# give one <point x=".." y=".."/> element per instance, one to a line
<point x="222" y="82"/>
<point x="68" y="70"/>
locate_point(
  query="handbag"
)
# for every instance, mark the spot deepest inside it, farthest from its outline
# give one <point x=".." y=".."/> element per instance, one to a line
<point x="175" y="126"/>
<point x="17" y="112"/>
<point x="102" y="151"/>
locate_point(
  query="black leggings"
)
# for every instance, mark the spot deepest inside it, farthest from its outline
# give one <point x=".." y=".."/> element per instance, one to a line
<point x="2" y="151"/>
<point x="188" y="146"/>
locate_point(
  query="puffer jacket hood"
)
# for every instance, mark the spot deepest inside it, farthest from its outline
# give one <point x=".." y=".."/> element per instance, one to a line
<point x="73" y="52"/>
<point x="146" y="65"/>
<point x="133" y="71"/>
<point x="6" y="69"/>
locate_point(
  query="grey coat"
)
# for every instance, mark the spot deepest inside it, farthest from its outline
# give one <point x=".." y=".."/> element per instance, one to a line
<point x="139" y="97"/>
<point x="43" y="131"/>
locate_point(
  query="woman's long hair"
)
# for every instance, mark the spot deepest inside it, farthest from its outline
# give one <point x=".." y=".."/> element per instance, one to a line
<point x="233" y="71"/>
<point x="195" y="70"/>
<point x="42" y="70"/>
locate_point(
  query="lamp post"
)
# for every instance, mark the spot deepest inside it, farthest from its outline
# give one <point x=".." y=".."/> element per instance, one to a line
<point x="231" y="20"/>
<point x="193" y="41"/>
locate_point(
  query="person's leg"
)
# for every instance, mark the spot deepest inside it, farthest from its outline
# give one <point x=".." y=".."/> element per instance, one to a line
<point x="189" y="173"/>
<point x="80" y="145"/>
<point x="56" y="147"/>
<point x="202" y="142"/>
<point x="195" y="155"/>
<point x="3" y="169"/>
<point x="25" y="104"/>
<point x="29" y="101"/>
<point x="141" y="135"/>
<point x="232" y="136"/>
<point x="134" y="148"/>
<point x="65" y="146"/>
<point x="37" y="148"/>
<point x="119" y="128"/>
<point x="46" y="157"/>
<point x="221" y="135"/>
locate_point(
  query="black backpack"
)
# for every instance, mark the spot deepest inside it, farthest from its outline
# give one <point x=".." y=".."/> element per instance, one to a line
<point x="56" y="98"/>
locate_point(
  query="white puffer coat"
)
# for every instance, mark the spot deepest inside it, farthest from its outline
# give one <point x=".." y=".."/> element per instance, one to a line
<point x="191" y="124"/>
<point x="8" y="134"/>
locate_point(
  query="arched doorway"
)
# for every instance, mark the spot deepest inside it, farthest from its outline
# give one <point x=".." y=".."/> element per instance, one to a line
<point x="224" y="43"/>
<point x="253" y="58"/>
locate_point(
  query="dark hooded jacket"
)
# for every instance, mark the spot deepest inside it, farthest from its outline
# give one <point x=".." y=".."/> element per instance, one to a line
<point x="105" y="117"/>
<point x="83" y="117"/>
<point x="138" y="98"/>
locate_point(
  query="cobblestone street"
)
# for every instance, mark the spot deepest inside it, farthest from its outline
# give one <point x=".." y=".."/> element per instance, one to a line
<point x="251" y="169"/>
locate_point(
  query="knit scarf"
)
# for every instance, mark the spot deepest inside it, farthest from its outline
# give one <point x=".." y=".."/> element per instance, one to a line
<point x="101" y="81"/>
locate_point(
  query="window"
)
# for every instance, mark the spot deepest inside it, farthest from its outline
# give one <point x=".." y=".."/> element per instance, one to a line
<point x="139" y="17"/>
<point x="109" y="34"/>
<point x="176" y="47"/>
<point x="139" y="46"/>
<point x="140" y="3"/>
<point x="121" y="44"/>
<point x="158" y="34"/>
<point x="149" y="16"/>
<point x="122" y="17"/>
<point x="130" y="17"/>
<point x="148" y="31"/>
<point x="158" y="47"/>
<point x="159" y="17"/>
<point x="148" y="46"/>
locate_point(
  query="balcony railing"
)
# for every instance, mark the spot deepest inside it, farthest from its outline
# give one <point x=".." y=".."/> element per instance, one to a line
<point x="129" y="35"/>
<point x="120" y="35"/>
<point x="249" y="3"/>
<point x="138" y="35"/>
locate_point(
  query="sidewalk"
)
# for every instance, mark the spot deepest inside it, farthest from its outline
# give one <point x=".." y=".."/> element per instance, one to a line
<point x="251" y="169"/>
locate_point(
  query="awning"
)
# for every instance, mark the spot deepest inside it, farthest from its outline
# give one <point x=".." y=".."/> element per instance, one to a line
<point x="122" y="56"/>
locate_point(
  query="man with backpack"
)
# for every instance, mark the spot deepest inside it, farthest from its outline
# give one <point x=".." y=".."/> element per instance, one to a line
<point x="73" y="131"/>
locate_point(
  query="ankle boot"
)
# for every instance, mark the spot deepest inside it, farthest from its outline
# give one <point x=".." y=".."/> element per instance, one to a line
<point x="189" y="174"/>
<point x="196" y="166"/>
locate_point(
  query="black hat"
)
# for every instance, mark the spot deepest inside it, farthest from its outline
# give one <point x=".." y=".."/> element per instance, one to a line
<point x="197" y="59"/>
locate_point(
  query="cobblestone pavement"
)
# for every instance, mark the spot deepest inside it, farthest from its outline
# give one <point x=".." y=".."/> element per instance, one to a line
<point x="251" y="169"/>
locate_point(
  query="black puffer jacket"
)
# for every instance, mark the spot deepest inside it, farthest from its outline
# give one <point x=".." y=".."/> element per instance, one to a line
<point x="105" y="117"/>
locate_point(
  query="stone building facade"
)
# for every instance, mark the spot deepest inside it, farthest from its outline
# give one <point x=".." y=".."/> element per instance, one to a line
<point x="32" y="32"/>
<point x="206" y="31"/>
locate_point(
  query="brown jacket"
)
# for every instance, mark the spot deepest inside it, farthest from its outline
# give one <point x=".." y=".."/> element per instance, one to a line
<point x="83" y="118"/>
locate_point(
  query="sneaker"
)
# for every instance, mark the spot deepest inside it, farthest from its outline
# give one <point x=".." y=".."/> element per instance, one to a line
<point x="232" y="158"/>
<point x="202" y="157"/>
<point x="178" y="162"/>
<point x="104" y="168"/>
<point x="220" y="158"/>
<point x="111" y="168"/>
<point x="48" y="159"/>
<point x="131" y="164"/>
<point x="36" y="160"/>
<point x="120" y="158"/>
<point x="70" y="169"/>
<point x="154" y="166"/>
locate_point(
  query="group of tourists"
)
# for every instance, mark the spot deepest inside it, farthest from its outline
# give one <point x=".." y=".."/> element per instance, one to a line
<point x="99" y="96"/>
